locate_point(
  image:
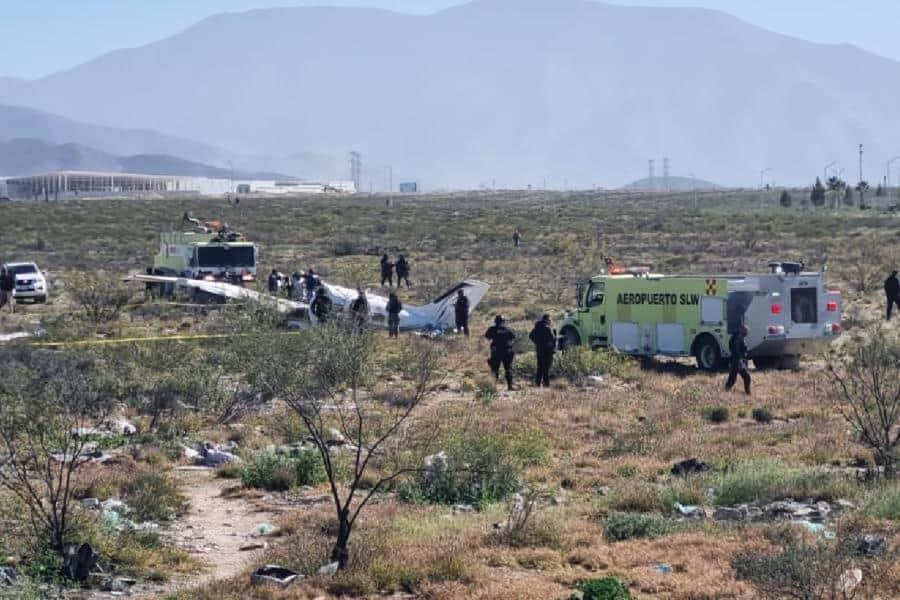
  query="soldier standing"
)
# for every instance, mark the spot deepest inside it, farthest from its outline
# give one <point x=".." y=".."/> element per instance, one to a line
<point x="461" y="310"/>
<point x="544" y="338"/>
<point x="387" y="271"/>
<point x="402" y="267"/>
<point x="738" y="348"/>
<point x="273" y="281"/>
<point x="359" y="309"/>
<point x="321" y="305"/>
<point x="394" y="306"/>
<point x="892" y="291"/>
<point x="517" y="238"/>
<point x="502" y="338"/>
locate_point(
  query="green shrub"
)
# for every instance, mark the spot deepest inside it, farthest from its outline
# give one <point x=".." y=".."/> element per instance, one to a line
<point x="485" y="390"/>
<point x="280" y="472"/>
<point x="625" y="526"/>
<point x="153" y="497"/>
<point x="717" y="414"/>
<point x="580" y="362"/>
<point x="608" y="588"/>
<point x="762" y="415"/>
<point x="884" y="502"/>
<point x="768" y="479"/>
<point x="483" y="467"/>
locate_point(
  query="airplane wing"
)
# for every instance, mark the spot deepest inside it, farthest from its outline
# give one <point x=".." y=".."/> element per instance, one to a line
<point x="227" y="290"/>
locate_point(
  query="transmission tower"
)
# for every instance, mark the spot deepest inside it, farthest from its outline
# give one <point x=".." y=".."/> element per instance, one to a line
<point x="666" y="172"/>
<point x="355" y="168"/>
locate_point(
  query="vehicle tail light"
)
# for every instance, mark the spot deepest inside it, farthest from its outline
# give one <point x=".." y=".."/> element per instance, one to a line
<point x="776" y="329"/>
<point x="831" y="307"/>
<point x="776" y="309"/>
<point x="247" y="277"/>
<point x="209" y="278"/>
<point x="833" y="328"/>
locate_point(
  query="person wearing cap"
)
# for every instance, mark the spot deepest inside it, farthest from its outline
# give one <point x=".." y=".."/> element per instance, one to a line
<point x="892" y="291"/>
<point x="461" y="312"/>
<point x="501" y="338"/>
<point x="738" y="348"/>
<point x="359" y="309"/>
<point x="321" y="305"/>
<point x="544" y="338"/>
<point x="394" y="307"/>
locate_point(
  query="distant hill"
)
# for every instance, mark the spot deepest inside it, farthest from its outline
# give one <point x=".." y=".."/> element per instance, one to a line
<point x="505" y="91"/>
<point x="24" y="156"/>
<point x="672" y="184"/>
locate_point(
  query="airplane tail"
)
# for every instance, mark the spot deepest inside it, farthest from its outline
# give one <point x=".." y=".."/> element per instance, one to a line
<point x="441" y="312"/>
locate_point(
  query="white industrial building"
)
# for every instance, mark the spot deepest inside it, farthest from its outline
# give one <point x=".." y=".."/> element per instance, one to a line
<point x="85" y="184"/>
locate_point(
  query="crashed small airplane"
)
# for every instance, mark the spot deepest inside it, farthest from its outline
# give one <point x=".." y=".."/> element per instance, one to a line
<point x="434" y="317"/>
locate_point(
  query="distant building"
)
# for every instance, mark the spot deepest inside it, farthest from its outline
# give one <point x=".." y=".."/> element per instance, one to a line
<point x="83" y="184"/>
<point x="410" y="187"/>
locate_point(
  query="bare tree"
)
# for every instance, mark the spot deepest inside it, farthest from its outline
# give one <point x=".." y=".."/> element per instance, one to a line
<point x="866" y="390"/>
<point x="335" y="365"/>
<point x="101" y="297"/>
<point x="46" y="402"/>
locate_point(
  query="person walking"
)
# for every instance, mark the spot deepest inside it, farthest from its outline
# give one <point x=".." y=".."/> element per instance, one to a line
<point x="359" y="309"/>
<point x="892" y="291"/>
<point x="321" y="305"/>
<point x="517" y="238"/>
<point x="402" y="267"/>
<point x="738" y="362"/>
<point x="394" y="306"/>
<point x="461" y="310"/>
<point x="8" y="289"/>
<point x="501" y="338"/>
<point x="273" y="280"/>
<point x="387" y="271"/>
<point x="543" y="336"/>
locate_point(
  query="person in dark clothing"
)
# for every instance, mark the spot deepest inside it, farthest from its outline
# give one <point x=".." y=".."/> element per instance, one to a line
<point x="892" y="291"/>
<point x="517" y="238"/>
<point x="394" y="306"/>
<point x="461" y="310"/>
<point x="321" y="305"/>
<point x="402" y="267"/>
<point x="5" y="288"/>
<point x="502" y="338"/>
<point x="387" y="271"/>
<point x="274" y="277"/>
<point x="359" y="309"/>
<point x="312" y="283"/>
<point x="738" y="348"/>
<point x="544" y="338"/>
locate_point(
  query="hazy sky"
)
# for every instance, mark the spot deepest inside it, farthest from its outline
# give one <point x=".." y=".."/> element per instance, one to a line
<point x="38" y="37"/>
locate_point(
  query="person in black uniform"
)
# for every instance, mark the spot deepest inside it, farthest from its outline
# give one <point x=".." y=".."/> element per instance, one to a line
<point x="274" y="280"/>
<point x="394" y="306"/>
<point x="387" y="271"/>
<point x="359" y="309"/>
<point x="502" y="338"/>
<point x="738" y="348"/>
<point x="892" y="291"/>
<point x="402" y="267"/>
<point x="321" y="305"/>
<point x="544" y="338"/>
<point x="461" y="310"/>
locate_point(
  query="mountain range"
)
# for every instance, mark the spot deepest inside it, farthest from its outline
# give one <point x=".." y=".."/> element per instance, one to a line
<point x="503" y="91"/>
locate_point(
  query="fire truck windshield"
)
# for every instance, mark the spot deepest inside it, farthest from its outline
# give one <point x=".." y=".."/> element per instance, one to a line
<point x="220" y="256"/>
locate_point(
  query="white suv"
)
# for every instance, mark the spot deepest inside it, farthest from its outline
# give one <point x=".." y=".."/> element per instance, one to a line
<point x="31" y="283"/>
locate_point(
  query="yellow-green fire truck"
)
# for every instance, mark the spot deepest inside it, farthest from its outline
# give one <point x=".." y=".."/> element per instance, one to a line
<point x="787" y="312"/>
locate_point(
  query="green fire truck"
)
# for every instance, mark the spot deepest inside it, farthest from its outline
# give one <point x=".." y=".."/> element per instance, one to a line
<point x="209" y="250"/>
<point x="788" y="313"/>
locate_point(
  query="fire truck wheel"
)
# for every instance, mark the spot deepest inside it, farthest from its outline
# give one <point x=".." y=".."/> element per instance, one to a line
<point x="709" y="357"/>
<point x="569" y="339"/>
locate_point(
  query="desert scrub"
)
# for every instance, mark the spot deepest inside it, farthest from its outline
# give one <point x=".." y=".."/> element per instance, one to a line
<point x="883" y="502"/>
<point x="608" y="588"/>
<point x="625" y="526"/>
<point x="716" y="414"/>
<point x="580" y="362"/>
<point x="154" y="497"/>
<point x="482" y="467"/>
<point x="768" y="479"/>
<point x="280" y="472"/>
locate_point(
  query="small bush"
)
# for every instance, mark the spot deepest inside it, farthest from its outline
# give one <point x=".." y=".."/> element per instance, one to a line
<point x="575" y="364"/>
<point x="884" y="502"/>
<point x="717" y="414"/>
<point x="100" y="297"/>
<point x="762" y="415"/>
<point x="280" y="472"/>
<point x="154" y="497"/>
<point x="608" y="588"/>
<point x="625" y="526"/>
<point x="785" y="199"/>
<point x="482" y="467"/>
<point x="768" y="479"/>
<point x="485" y="390"/>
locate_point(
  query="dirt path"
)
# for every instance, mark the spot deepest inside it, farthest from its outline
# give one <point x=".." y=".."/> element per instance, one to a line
<point x="214" y="531"/>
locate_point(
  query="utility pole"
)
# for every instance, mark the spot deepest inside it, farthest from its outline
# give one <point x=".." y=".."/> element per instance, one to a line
<point x="355" y="168"/>
<point x="862" y="198"/>
<point x="762" y="176"/>
<point x="666" y="172"/>
<point x="650" y="181"/>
